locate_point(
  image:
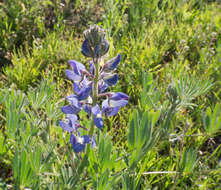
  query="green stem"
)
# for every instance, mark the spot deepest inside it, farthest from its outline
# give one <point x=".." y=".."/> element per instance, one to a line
<point x="94" y="99"/>
<point x="95" y="93"/>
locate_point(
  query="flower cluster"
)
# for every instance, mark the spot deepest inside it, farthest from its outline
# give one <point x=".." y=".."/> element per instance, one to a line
<point x="90" y="89"/>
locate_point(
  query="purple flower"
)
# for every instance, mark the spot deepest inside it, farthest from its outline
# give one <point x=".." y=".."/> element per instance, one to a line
<point x="93" y="142"/>
<point x="77" y="67"/>
<point x="118" y="99"/>
<point x="72" y="124"/>
<point x="102" y="86"/>
<point x="87" y="108"/>
<point x="112" y="105"/>
<point x="110" y="79"/>
<point x="83" y="89"/>
<point x="74" y="108"/>
<point x="79" y="142"/>
<point x="77" y="71"/>
<point x="112" y="63"/>
<point x="70" y="109"/>
<point x="84" y="92"/>
<point x="108" y="110"/>
<point x="98" y="120"/>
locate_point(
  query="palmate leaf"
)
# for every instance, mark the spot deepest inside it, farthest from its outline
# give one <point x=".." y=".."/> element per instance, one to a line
<point x="212" y="119"/>
<point x="141" y="136"/>
<point x="150" y="96"/>
<point x="132" y="130"/>
<point x="68" y="179"/>
<point x="22" y="172"/>
<point x="14" y="102"/>
<point x="188" y="88"/>
<point x="40" y="96"/>
<point x="189" y="160"/>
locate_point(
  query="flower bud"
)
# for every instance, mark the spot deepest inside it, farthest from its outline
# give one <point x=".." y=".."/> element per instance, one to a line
<point x="172" y="93"/>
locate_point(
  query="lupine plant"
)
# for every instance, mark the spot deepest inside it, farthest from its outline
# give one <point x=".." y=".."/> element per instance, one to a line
<point x="90" y="90"/>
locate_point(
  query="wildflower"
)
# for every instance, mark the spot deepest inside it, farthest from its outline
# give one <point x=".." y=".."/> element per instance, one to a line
<point x="112" y="63"/>
<point x="98" y="120"/>
<point x="89" y="86"/>
<point x="72" y="124"/>
<point x="79" y="142"/>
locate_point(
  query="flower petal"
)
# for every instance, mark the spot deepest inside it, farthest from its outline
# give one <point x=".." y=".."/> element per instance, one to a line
<point x="98" y="121"/>
<point x="72" y="76"/>
<point x="93" y="142"/>
<point x="102" y="86"/>
<point x="117" y="103"/>
<point x="76" y="88"/>
<point x="79" y="143"/>
<point x="77" y="67"/>
<point x="119" y="96"/>
<point x="69" y="109"/>
<point x="110" y="79"/>
<point x="96" y="110"/>
<point x="66" y="126"/>
<point x="86" y="139"/>
<point x="87" y="109"/>
<point x="91" y="68"/>
<point x="108" y="110"/>
<point x="84" y="93"/>
<point x="112" y="63"/>
<point x="73" y="99"/>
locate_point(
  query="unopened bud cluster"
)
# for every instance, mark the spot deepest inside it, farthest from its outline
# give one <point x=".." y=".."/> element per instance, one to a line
<point x="95" y="44"/>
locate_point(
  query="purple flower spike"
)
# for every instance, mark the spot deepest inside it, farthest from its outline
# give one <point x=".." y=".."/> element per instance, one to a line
<point x="98" y="120"/>
<point x="112" y="63"/>
<point x="89" y="87"/>
<point x="110" y="79"/>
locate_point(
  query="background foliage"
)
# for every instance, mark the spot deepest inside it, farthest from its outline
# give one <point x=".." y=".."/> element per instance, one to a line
<point x="170" y="69"/>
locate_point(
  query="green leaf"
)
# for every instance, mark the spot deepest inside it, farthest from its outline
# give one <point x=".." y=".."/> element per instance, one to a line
<point x="132" y="130"/>
<point x="212" y="119"/>
<point x="189" y="160"/>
